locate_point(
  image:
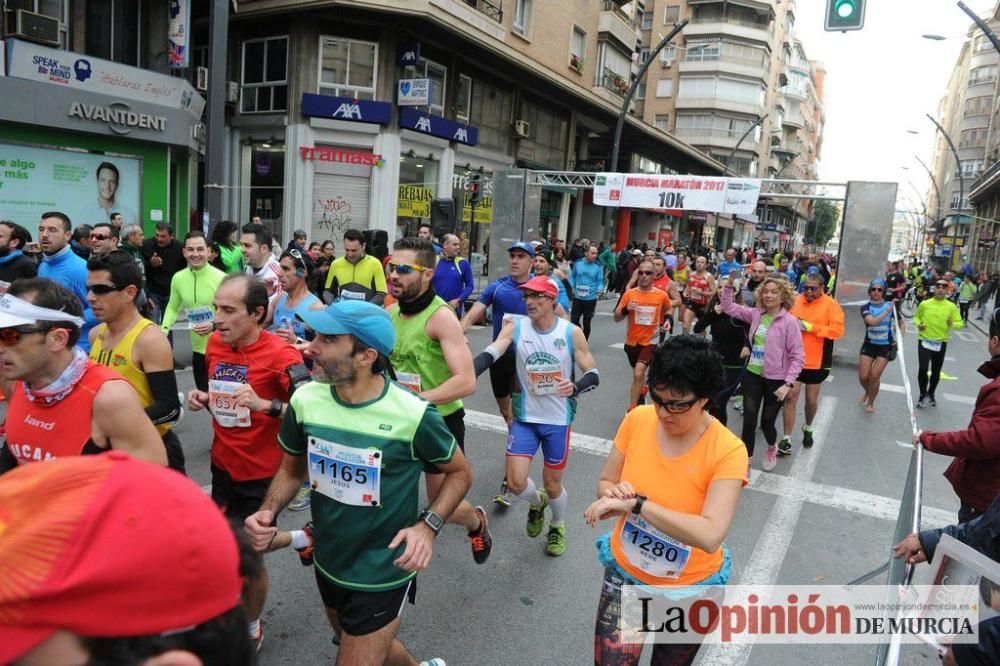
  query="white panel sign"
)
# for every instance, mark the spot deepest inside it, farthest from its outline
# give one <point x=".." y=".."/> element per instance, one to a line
<point x="705" y="193"/>
<point x="414" y="92"/>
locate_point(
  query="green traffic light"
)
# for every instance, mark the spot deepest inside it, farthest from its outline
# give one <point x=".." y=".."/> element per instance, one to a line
<point x="845" y="8"/>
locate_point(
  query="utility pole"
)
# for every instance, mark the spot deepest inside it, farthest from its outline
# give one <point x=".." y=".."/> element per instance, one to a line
<point x="215" y="152"/>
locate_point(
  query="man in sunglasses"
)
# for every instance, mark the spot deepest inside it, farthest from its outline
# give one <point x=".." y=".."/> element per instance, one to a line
<point x="646" y="309"/>
<point x="935" y="319"/>
<point x="547" y="350"/>
<point x="60" y="403"/>
<point x="103" y="239"/>
<point x="432" y="359"/>
<point x="822" y="321"/>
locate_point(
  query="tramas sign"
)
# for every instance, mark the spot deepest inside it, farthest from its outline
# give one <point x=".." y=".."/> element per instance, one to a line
<point x="703" y="193"/>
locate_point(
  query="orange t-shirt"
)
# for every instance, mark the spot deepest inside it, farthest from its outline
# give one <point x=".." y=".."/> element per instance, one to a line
<point x="680" y="484"/>
<point x="645" y="315"/>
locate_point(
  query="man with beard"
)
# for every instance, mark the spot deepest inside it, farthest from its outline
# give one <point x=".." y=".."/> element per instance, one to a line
<point x="432" y="359"/>
<point x="61" y="264"/>
<point x="758" y="271"/>
<point x="14" y="263"/>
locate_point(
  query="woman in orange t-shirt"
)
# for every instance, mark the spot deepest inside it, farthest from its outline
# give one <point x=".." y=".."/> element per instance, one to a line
<point x="673" y="480"/>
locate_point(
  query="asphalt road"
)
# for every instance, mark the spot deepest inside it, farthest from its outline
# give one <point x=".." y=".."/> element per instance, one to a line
<point x="825" y="515"/>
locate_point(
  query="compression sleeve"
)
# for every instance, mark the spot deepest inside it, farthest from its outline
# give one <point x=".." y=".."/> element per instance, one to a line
<point x="165" y="407"/>
<point x="485" y="359"/>
<point x="588" y="382"/>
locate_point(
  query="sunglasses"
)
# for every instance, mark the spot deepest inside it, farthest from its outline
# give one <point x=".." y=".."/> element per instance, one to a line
<point x="810" y="288"/>
<point x="404" y="269"/>
<point x="672" y="406"/>
<point x="874" y="289"/>
<point x="644" y="272"/>
<point x="102" y="289"/>
<point x="100" y="237"/>
<point x="533" y="294"/>
<point x="11" y="336"/>
<point x="941" y="286"/>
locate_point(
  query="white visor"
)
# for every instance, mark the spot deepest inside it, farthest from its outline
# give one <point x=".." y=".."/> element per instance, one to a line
<point x="18" y="312"/>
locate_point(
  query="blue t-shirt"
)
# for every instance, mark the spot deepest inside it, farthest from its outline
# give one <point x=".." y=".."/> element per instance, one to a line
<point x="284" y="317"/>
<point x="588" y="280"/>
<point x="881" y="334"/>
<point x="70" y="270"/>
<point x="505" y="298"/>
<point x="726" y="267"/>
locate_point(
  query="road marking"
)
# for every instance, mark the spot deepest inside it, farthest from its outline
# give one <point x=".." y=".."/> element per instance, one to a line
<point x="953" y="397"/>
<point x="617" y="345"/>
<point x="597" y="446"/>
<point x="966" y="335"/>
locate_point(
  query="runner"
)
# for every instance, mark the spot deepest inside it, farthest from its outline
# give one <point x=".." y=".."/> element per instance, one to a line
<point x="257" y="244"/>
<point x="193" y="289"/>
<point x="966" y="294"/>
<point x="356" y="275"/>
<point x="588" y="280"/>
<point x="680" y="275"/>
<point x="546" y="349"/>
<point x="363" y="441"/>
<point x="296" y="269"/>
<point x="880" y="342"/>
<point x="545" y="264"/>
<point x="758" y="271"/>
<point x="133" y="346"/>
<point x="432" y="359"/>
<point x="453" y="279"/>
<point x="673" y="481"/>
<point x="645" y="308"/>
<point x="822" y="321"/>
<point x="730" y="339"/>
<point x="60" y="403"/>
<point x="935" y="319"/>
<point x="699" y="289"/>
<point x="252" y="374"/>
<point x="730" y="264"/>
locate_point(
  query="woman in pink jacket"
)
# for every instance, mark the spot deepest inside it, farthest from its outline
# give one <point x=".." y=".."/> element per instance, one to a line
<point x="776" y="358"/>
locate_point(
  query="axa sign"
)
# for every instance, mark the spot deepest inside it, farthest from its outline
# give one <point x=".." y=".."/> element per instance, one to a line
<point x="428" y="123"/>
<point x="119" y="116"/>
<point x="348" y="112"/>
<point x="346" y="108"/>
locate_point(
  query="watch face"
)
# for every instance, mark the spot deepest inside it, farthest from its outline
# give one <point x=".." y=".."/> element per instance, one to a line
<point x="434" y="521"/>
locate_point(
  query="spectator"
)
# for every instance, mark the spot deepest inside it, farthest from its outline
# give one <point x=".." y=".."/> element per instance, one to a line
<point x="298" y="241"/>
<point x="60" y="264"/>
<point x="14" y="263"/>
<point x="164" y="256"/>
<point x="328" y="249"/>
<point x="426" y="232"/>
<point x="117" y="222"/>
<point x="257" y="243"/>
<point x="80" y="242"/>
<point x="103" y="239"/>
<point x="230" y="252"/>
<point x="453" y="280"/>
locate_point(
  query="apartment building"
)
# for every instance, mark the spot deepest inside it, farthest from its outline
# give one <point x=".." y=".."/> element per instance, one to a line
<point x="983" y="185"/>
<point x="738" y="61"/>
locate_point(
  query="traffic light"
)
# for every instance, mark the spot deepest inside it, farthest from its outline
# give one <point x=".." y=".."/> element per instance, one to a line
<point x="843" y="15"/>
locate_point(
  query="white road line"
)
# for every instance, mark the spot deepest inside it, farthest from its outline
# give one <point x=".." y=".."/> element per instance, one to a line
<point x="617" y="345"/>
<point x="953" y="397"/>
<point x="966" y="335"/>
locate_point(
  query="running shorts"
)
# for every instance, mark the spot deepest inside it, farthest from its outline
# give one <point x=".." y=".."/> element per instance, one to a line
<point x="525" y="438"/>
<point x="640" y="354"/>
<point x="877" y="351"/>
<point x="362" y="613"/>
<point x="455" y="422"/>
<point x="238" y="499"/>
<point x="502" y="375"/>
<point x="817" y="376"/>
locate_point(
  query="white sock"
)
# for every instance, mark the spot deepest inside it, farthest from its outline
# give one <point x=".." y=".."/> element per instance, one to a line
<point x="558" y="506"/>
<point x="530" y="494"/>
<point x="255" y="628"/>
<point x="299" y="539"/>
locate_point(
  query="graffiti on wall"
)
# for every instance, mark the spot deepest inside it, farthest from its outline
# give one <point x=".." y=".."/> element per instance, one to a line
<point x="334" y="216"/>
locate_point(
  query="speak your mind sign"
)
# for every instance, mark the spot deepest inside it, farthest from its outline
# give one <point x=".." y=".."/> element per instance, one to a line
<point x="35" y="180"/>
<point x="704" y="193"/>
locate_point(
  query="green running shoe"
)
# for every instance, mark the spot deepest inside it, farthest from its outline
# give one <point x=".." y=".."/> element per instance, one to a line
<point x="556" y="545"/>
<point x="536" y="515"/>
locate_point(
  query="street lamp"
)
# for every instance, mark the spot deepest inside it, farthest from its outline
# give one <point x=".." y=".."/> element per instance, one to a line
<point x="937" y="190"/>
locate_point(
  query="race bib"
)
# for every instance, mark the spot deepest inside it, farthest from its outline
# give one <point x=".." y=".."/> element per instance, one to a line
<point x="757" y="356"/>
<point x="222" y="402"/>
<point x="544" y="375"/>
<point x="581" y="290"/>
<point x="645" y="315"/>
<point x="410" y="380"/>
<point x="352" y="295"/>
<point x="199" y="315"/>
<point x="878" y="333"/>
<point x="963" y="301"/>
<point x="931" y="345"/>
<point x="651" y="550"/>
<point x="347" y="475"/>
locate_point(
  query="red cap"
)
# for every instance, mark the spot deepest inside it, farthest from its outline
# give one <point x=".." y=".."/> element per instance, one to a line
<point x="109" y="546"/>
<point x="541" y="285"/>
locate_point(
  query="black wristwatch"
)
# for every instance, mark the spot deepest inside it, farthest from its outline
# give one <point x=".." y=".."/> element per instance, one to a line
<point x="275" y="410"/>
<point x="639" y="500"/>
<point x="432" y="520"/>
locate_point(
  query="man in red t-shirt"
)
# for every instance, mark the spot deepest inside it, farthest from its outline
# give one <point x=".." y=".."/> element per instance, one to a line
<point x="645" y="308"/>
<point x="249" y="385"/>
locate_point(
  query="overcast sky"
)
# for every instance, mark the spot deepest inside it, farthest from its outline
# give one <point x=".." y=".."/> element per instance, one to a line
<point x="880" y="82"/>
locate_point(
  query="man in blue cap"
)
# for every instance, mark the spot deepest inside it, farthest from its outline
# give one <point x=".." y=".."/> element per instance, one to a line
<point x="363" y="441"/>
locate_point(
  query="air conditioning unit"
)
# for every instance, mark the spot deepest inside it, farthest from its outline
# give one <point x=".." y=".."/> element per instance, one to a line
<point x="232" y="92"/>
<point x="522" y="128"/>
<point x="36" y="28"/>
<point x="201" y="79"/>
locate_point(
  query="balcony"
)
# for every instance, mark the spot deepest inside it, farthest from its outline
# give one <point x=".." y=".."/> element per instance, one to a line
<point x="616" y="83"/>
<point x="763" y="6"/>
<point x="794" y="119"/>
<point x="715" y="138"/>
<point x="727" y="65"/>
<point x="758" y="32"/>
<point x="721" y="104"/>
<point x="491" y="8"/>
<point x="619" y="25"/>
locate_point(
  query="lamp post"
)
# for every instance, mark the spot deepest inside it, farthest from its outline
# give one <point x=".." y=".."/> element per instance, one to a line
<point x="937" y="190"/>
<point x="958" y="163"/>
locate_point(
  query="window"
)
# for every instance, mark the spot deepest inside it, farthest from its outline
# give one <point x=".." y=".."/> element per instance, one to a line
<point x="463" y="98"/>
<point x="955" y="202"/>
<point x="728" y="51"/>
<point x="643" y="55"/>
<point x="348" y="68"/>
<point x="113" y="29"/>
<point x="978" y="106"/>
<point x="492" y="113"/>
<point x="578" y="43"/>
<point x="612" y="62"/>
<point x="671" y="15"/>
<point x="662" y="121"/>
<point x="985" y="74"/>
<point x="428" y="69"/>
<point x="57" y="9"/>
<point x="722" y="88"/>
<point x="522" y="17"/>
<point x="265" y="75"/>
<point x="665" y="88"/>
<point x="549" y="136"/>
<point x="640" y="91"/>
<point x="973" y="137"/>
<point x="971" y="167"/>
<point x="668" y="55"/>
<point x="647" y="20"/>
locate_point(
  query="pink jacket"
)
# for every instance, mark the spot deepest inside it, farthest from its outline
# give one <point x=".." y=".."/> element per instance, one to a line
<point x="783" y="352"/>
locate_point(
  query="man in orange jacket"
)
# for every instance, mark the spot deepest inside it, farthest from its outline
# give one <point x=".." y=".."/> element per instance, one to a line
<point x="822" y="321"/>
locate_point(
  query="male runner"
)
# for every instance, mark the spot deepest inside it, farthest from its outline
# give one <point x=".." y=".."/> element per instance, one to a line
<point x="645" y="307"/>
<point x="730" y="264"/>
<point x="59" y="402"/>
<point x="822" y="321"/>
<point x="296" y="269"/>
<point x="432" y="359"/>
<point x="453" y="280"/>
<point x="251" y="377"/>
<point x="545" y="264"/>
<point x="588" y="281"/>
<point x="758" y="271"/>
<point x="546" y="349"/>
<point x="699" y="290"/>
<point x="356" y="275"/>
<point x="363" y="441"/>
<point x="935" y="319"/>
<point x="257" y="242"/>
<point x="132" y="346"/>
<point x="193" y="288"/>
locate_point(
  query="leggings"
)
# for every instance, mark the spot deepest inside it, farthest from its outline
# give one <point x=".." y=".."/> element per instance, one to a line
<point x="758" y="392"/>
<point x="609" y="650"/>
<point x="584" y="309"/>
<point x="963" y="309"/>
<point x="730" y="387"/>
<point x="935" y="360"/>
<point x="200" y="370"/>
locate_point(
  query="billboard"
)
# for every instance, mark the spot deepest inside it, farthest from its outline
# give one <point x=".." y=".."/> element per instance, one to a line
<point x="87" y="187"/>
<point x="714" y="194"/>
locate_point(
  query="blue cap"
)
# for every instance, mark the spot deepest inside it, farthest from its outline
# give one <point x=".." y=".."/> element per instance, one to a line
<point x="813" y="270"/>
<point x="877" y="282"/>
<point x="524" y="247"/>
<point x="366" y="321"/>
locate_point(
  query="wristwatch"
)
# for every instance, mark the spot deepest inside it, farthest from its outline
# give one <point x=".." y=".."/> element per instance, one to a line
<point x="432" y="520"/>
<point x="639" y="500"/>
<point x="275" y="410"/>
<point x="789" y="385"/>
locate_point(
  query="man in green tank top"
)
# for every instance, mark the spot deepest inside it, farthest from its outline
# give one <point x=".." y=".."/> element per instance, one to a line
<point x="432" y="359"/>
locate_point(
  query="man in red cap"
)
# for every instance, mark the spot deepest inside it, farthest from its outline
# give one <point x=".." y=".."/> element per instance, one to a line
<point x="547" y="349"/>
<point x="117" y="561"/>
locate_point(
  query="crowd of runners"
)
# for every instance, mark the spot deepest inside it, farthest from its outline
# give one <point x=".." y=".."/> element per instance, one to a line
<point x="340" y="391"/>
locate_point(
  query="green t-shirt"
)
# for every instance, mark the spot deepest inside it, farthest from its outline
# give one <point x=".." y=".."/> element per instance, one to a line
<point x="364" y="463"/>
<point x="419" y="361"/>
<point x="935" y="313"/>
<point x="756" y="362"/>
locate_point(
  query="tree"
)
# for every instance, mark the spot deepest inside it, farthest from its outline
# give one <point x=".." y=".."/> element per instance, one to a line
<point x="826" y="215"/>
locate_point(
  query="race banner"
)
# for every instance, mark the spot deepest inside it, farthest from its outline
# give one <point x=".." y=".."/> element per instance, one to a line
<point x="704" y="193"/>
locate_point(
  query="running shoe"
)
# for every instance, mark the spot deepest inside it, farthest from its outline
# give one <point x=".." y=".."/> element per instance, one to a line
<point x="306" y="554"/>
<point x="770" y="459"/>
<point x="738" y="406"/>
<point x="481" y="539"/>
<point x="503" y="496"/>
<point x="785" y="446"/>
<point x="536" y="515"/>
<point x="180" y="401"/>
<point x="436" y="661"/>
<point x="258" y="640"/>
<point x="922" y="402"/>
<point x="807" y="438"/>
<point x="931" y="401"/>
<point x="556" y="541"/>
<point x="302" y="500"/>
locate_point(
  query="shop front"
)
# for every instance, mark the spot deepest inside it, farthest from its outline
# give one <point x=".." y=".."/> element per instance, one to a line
<point x="91" y="137"/>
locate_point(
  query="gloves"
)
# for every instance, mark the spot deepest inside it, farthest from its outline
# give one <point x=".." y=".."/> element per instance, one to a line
<point x="805" y="326"/>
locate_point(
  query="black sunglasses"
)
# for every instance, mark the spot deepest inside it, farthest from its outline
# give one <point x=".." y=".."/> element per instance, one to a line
<point x="101" y="289"/>
<point x="672" y="406"/>
<point x="100" y="237"/>
<point x="11" y="336"/>
<point x="644" y="272"/>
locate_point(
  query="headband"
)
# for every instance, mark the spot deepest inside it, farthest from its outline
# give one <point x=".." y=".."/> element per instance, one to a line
<point x="13" y="308"/>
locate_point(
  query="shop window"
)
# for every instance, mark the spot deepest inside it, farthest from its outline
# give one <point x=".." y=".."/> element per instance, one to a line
<point x="428" y="69"/>
<point x="265" y="75"/>
<point x="417" y="189"/>
<point x="348" y="67"/>
<point x="463" y="99"/>
<point x="267" y="179"/>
